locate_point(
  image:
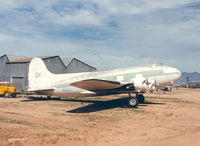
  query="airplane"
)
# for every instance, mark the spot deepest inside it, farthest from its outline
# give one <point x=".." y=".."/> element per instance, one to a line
<point x="132" y="80"/>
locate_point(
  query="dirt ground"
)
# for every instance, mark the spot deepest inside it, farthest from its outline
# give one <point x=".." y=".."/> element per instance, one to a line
<point x="169" y="119"/>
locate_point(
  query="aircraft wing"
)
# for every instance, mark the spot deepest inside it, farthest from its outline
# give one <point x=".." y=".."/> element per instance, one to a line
<point x="103" y="86"/>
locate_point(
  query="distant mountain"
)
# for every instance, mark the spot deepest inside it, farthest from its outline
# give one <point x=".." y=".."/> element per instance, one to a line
<point x="193" y="77"/>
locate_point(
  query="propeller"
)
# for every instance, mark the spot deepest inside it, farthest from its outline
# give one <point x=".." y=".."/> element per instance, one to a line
<point x="146" y="81"/>
<point x="153" y="85"/>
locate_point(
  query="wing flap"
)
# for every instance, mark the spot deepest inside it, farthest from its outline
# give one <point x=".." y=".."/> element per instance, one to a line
<point x="97" y="85"/>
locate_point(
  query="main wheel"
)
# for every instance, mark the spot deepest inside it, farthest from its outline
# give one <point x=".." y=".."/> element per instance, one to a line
<point x="132" y="102"/>
<point x="140" y="98"/>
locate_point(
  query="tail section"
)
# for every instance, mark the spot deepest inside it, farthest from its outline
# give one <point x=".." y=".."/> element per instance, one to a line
<point x="39" y="77"/>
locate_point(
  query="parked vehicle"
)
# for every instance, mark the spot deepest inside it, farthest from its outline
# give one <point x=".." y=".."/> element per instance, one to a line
<point x="7" y="90"/>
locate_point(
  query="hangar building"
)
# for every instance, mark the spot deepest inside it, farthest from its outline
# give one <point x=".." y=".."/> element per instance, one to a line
<point x="15" y="68"/>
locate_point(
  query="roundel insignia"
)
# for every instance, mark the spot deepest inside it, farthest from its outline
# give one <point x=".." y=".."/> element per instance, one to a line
<point x="37" y="74"/>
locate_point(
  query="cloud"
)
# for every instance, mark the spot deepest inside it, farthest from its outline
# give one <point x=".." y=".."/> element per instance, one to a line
<point x="122" y="31"/>
<point x="86" y="12"/>
<point x="81" y="17"/>
<point x="7" y="5"/>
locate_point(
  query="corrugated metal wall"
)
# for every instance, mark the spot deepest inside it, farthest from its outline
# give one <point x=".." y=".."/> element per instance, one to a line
<point x="77" y="66"/>
<point x="19" y="83"/>
<point x="3" y="74"/>
<point x="18" y="73"/>
<point x="55" y="65"/>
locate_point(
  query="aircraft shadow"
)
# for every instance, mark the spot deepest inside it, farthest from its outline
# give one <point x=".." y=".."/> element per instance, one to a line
<point x="39" y="99"/>
<point x="104" y="105"/>
<point x="94" y="105"/>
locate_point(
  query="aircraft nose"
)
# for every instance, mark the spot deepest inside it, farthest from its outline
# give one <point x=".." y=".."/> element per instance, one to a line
<point x="176" y="72"/>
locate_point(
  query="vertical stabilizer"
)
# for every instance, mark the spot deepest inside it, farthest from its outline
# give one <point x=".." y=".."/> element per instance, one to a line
<point x="39" y="77"/>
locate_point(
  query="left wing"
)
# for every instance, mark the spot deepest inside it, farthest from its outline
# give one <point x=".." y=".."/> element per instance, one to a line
<point x="103" y="86"/>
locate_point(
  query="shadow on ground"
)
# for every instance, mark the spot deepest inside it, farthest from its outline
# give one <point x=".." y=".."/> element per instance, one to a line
<point x="106" y="105"/>
<point x="94" y="105"/>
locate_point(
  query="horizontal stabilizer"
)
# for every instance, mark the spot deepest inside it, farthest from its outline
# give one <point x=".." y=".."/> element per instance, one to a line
<point x="43" y="91"/>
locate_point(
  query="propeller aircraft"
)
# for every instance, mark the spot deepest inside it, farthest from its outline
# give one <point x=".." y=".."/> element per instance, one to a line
<point x="133" y="80"/>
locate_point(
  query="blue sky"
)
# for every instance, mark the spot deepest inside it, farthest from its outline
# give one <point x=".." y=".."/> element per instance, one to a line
<point x="106" y="34"/>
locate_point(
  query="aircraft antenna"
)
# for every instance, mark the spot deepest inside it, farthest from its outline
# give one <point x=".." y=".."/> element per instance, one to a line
<point x="100" y="59"/>
<point x="147" y="62"/>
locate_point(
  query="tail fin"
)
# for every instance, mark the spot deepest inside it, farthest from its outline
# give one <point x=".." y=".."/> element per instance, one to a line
<point x="38" y="75"/>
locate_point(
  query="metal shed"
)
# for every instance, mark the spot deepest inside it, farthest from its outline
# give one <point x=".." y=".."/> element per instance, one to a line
<point x="3" y="65"/>
<point x="15" y="68"/>
<point x="74" y="65"/>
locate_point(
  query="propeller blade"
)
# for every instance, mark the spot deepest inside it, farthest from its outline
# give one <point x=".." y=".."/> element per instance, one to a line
<point x="156" y="88"/>
<point x="148" y="89"/>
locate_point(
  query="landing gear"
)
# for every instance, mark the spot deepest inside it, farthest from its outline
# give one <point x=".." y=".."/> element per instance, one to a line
<point x="132" y="101"/>
<point x="140" y="98"/>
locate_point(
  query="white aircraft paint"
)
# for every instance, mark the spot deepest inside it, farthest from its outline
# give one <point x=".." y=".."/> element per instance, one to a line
<point x="41" y="81"/>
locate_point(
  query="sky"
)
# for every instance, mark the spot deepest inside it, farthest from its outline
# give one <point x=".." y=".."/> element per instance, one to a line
<point x="106" y="34"/>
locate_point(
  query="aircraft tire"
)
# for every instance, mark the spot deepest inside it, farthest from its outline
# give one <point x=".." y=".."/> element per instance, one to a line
<point x="140" y="98"/>
<point x="132" y="102"/>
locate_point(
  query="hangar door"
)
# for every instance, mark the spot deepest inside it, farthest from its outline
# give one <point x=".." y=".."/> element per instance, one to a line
<point x="18" y="82"/>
